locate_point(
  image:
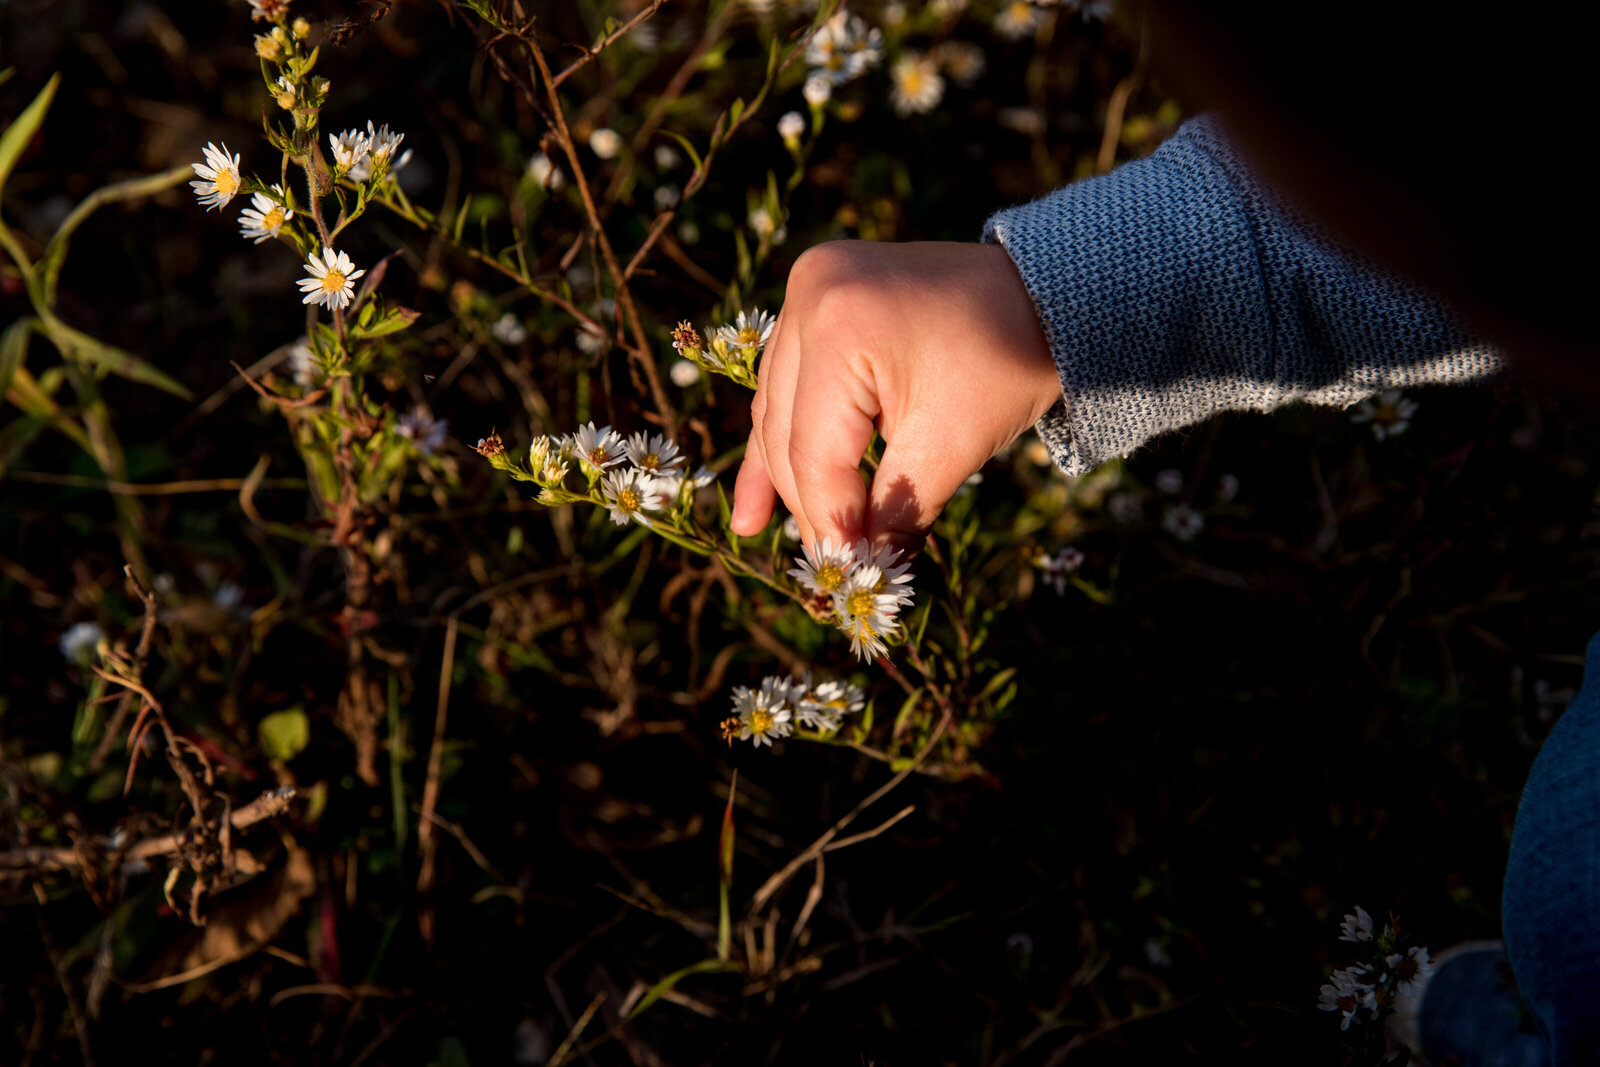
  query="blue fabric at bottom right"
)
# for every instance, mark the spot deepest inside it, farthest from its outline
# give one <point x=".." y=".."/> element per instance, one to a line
<point x="1550" y="912"/>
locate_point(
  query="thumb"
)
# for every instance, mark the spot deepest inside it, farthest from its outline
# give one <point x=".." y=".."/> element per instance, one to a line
<point x="917" y="477"/>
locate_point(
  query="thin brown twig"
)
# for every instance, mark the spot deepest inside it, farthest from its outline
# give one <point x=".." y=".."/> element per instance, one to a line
<point x="37" y="858"/>
<point x="640" y="352"/>
<point x="589" y="54"/>
<point x="817" y="847"/>
<point x="195" y="485"/>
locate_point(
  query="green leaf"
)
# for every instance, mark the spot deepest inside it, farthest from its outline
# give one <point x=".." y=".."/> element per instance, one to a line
<point x="20" y="132"/>
<point x="655" y="992"/>
<point x="75" y="344"/>
<point x="688" y="146"/>
<point x="284" y="734"/>
<point x="391" y="321"/>
<point x="996" y="683"/>
<point x="13" y="349"/>
<point x="17" y="435"/>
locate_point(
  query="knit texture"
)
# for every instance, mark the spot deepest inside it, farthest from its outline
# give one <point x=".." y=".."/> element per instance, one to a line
<point x="1177" y="287"/>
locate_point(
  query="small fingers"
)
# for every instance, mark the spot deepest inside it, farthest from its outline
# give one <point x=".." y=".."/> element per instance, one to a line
<point x="831" y="426"/>
<point x="753" y="493"/>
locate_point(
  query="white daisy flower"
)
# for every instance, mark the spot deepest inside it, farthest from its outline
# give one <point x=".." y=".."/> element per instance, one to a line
<point x="303" y="362"/>
<point x="1016" y="20"/>
<point x="1389" y="415"/>
<point x="895" y="577"/>
<point x="818" y="90"/>
<point x="382" y="142"/>
<point x="1057" y="567"/>
<point x="1183" y="522"/>
<point x="629" y="494"/>
<point x="844" y="48"/>
<point x="961" y="60"/>
<point x="1411" y="968"/>
<point x="653" y="454"/>
<point x="748" y="331"/>
<point x="760" y="221"/>
<point x="666" y="197"/>
<point x="266" y="216"/>
<point x="824" y="568"/>
<point x="666" y="157"/>
<point x="791" y="127"/>
<point x="606" y="142"/>
<point x="1357" y="927"/>
<point x="760" y="717"/>
<point x="546" y="173"/>
<point x="508" y="330"/>
<point x="791" y="528"/>
<point x="596" y="450"/>
<point x="349" y="148"/>
<point x="781" y="690"/>
<point x="864" y="614"/>
<point x="332" y="280"/>
<point x="80" y="641"/>
<point x="918" y="88"/>
<point x="823" y="706"/>
<point x="672" y="483"/>
<point x="1341" y="999"/>
<point x="363" y="168"/>
<point x="684" y="374"/>
<point x="268" y="9"/>
<point x="219" y="175"/>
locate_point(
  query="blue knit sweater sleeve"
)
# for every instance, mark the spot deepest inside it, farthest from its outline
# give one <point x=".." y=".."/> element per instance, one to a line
<point x="1177" y="287"/>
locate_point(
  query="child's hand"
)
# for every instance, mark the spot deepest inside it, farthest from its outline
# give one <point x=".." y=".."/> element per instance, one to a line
<point x="938" y="344"/>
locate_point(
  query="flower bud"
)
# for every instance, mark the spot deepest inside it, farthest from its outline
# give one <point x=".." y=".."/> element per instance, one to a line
<point x="286" y="100"/>
<point x="790" y="127"/>
<point x="268" y="49"/>
<point x="301" y="28"/>
<point x="280" y="35"/>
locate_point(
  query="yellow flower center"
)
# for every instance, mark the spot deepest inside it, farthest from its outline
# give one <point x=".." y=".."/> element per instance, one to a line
<point x="748" y="336"/>
<point x="860" y="602"/>
<point x="650" y="461"/>
<point x="272" y="219"/>
<point x="911" y="81"/>
<point x="829" y="577"/>
<point x="1020" y="11"/>
<point x="227" y="182"/>
<point x="835" y="61"/>
<point x="760" y="721"/>
<point x="629" y="500"/>
<point x="333" y="282"/>
<point x="598" y="457"/>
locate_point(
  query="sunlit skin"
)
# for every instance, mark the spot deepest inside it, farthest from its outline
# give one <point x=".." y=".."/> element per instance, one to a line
<point x="937" y="346"/>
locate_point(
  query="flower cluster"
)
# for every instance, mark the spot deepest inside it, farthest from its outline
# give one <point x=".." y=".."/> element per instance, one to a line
<point x="643" y="478"/>
<point x="364" y="159"/>
<point x="1390" y="970"/>
<point x="364" y="156"/>
<point x="863" y="588"/>
<point x="774" y="708"/>
<point x="843" y="49"/>
<point x="733" y="349"/>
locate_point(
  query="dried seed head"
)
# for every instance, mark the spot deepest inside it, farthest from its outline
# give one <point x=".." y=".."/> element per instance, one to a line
<point x="684" y="336"/>
<point x="491" y="446"/>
